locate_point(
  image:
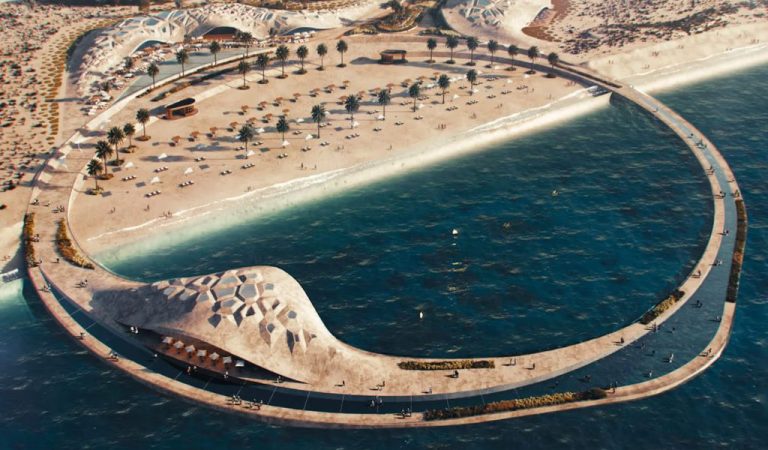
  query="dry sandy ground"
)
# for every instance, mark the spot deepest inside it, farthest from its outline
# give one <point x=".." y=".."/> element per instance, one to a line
<point x="33" y="49"/>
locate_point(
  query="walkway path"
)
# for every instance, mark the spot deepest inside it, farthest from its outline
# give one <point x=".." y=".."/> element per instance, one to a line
<point x="362" y="370"/>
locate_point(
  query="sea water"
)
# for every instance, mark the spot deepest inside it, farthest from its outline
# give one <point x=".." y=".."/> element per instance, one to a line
<point x="528" y="270"/>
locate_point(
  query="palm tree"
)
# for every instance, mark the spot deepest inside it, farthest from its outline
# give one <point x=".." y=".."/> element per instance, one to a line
<point x="129" y="130"/>
<point x="444" y="83"/>
<point x="243" y="67"/>
<point x="115" y="136"/>
<point x="452" y="42"/>
<point x="431" y="46"/>
<point x="492" y="47"/>
<point x="533" y="53"/>
<point x="553" y="60"/>
<point x="262" y="61"/>
<point x="103" y="151"/>
<point x="512" y="51"/>
<point x="397" y="8"/>
<point x="472" y="45"/>
<point x="472" y="78"/>
<point x="152" y="71"/>
<point x="342" y="47"/>
<point x="142" y="116"/>
<point x="94" y="167"/>
<point x="384" y="98"/>
<point x="214" y="47"/>
<point x="282" y="53"/>
<point x="302" y="53"/>
<point x="246" y="135"/>
<point x="127" y="63"/>
<point x="282" y="126"/>
<point x="318" y="114"/>
<point x="322" y="50"/>
<point x="182" y="57"/>
<point x="414" y="91"/>
<point x="352" y="104"/>
<point x="247" y="39"/>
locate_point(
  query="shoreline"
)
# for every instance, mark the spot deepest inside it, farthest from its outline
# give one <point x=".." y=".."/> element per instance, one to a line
<point x="283" y="196"/>
<point x="194" y="222"/>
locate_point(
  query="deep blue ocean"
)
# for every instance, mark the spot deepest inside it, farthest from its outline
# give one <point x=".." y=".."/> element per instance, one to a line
<point x="529" y="270"/>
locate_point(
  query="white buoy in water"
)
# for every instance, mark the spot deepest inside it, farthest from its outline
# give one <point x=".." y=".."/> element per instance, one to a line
<point x="421" y="314"/>
<point x="455" y="232"/>
<point x="555" y="193"/>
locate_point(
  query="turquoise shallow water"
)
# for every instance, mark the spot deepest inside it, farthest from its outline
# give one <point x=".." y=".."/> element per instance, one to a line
<point x="562" y="269"/>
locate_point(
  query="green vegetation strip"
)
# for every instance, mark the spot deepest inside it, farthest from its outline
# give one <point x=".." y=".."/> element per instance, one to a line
<point x="67" y="251"/>
<point x="738" y="251"/>
<point x="662" y="306"/>
<point x="514" y="404"/>
<point x="446" y="365"/>
<point x="29" y="233"/>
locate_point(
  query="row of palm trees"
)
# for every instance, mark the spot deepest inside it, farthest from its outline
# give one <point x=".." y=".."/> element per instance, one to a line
<point x="452" y="42"/>
<point x="115" y="136"/>
<point x="352" y="104"/>
<point x="262" y="60"/>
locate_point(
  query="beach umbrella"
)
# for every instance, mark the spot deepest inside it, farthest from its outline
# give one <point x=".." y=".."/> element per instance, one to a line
<point x="299" y="120"/>
<point x="261" y="130"/>
<point x="509" y="81"/>
<point x="286" y="143"/>
<point x="308" y="137"/>
<point x="168" y="340"/>
<point x="188" y="171"/>
<point x="250" y="153"/>
<point x="227" y="360"/>
<point x="381" y="117"/>
<point x="189" y="348"/>
<point x="214" y="356"/>
<point x="202" y="353"/>
<point x="161" y="156"/>
<point x="240" y="363"/>
<point x="155" y="180"/>
<point x="421" y="105"/>
<point x="128" y="165"/>
<point x="355" y="124"/>
<point x="455" y="96"/>
<point x="178" y="345"/>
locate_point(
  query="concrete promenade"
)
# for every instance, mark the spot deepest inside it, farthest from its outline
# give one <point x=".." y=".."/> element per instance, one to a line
<point x="56" y="187"/>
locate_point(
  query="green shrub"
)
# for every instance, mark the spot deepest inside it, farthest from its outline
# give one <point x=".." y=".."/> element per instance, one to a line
<point x="28" y="234"/>
<point x="514" y="404"/>
<point x="67" y="250"/>
<point x="446" y="365"/>
<point x="738" y="251"/>
<point x="660" y="307"/>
